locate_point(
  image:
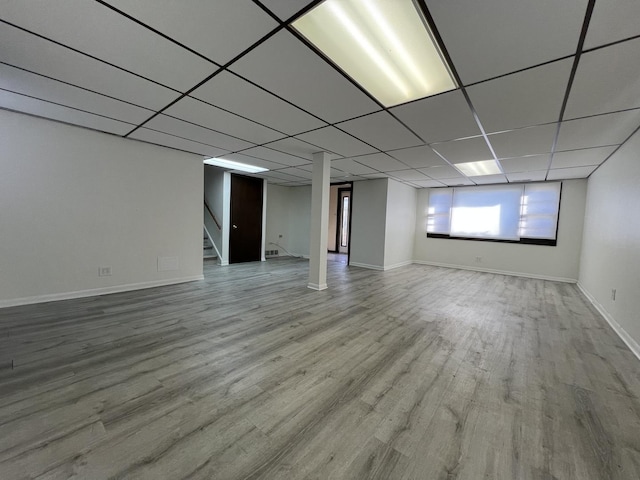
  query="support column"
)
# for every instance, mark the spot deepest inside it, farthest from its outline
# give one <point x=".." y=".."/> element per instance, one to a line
<point x="320" y="190"/>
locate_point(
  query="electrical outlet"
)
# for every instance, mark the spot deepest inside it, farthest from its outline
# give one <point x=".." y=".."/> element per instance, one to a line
<point x="104" y="271"/>
<point x="613" y="294"/>
<point x="280" y="236"/>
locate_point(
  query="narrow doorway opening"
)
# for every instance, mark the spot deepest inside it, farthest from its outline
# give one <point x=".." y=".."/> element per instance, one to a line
<point x="340" y="204"/>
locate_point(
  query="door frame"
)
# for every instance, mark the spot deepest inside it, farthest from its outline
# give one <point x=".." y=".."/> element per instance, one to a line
<point x="344" y="186"/>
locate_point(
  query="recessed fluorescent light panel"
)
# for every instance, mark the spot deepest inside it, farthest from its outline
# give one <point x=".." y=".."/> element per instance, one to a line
<point x="476" y="169"/>
<point x="384" y="45"/>
<point x="231" y="165"/>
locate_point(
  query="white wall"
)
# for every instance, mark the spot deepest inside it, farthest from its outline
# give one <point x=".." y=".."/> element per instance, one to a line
<point x="560" y="262"/>
<point x="611" y="245"/>
<point x="400" y="224"/>
<point x="73" y="200"/>
<point x="368" y="220"/>
<point x="289" y="215"/>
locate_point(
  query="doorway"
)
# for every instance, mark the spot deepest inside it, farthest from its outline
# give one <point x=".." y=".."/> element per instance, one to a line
<point x="245" y="235"/>
<point x="340" y="204"/>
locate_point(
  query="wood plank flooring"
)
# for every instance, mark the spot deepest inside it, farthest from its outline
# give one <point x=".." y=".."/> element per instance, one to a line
<point x="415" y="373"/>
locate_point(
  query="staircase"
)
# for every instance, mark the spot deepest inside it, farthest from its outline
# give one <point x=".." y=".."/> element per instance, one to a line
<point x="207" y="247"/>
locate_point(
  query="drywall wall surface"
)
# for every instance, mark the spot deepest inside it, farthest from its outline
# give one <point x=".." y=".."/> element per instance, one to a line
<point x="368" y="223"/>
<point x="400" y="224"/>
<point x="300" y="220"/>
<point x="560" y="262"/>
<point x="214" y="194"/>
<point x="73" y="201"/>
<point x="611" y="244"/>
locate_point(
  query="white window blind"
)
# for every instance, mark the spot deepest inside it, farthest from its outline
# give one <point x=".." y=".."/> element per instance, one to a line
<point x="527" y="213"/>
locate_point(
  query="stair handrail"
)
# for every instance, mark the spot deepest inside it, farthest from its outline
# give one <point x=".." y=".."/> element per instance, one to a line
<point x="215" y="220"/>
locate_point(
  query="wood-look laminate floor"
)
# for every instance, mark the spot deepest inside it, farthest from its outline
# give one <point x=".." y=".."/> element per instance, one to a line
<point x="415" y="373"/>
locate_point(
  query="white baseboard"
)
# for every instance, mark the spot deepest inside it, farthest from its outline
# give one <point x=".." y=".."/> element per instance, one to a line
<point x="499" y="272"/>
<point x="316" y="286"/>
<point x="622" y="333"/>
<point x="398" y="265"/>
<point x="14" y="302"/>
<point x="366" y="265"/>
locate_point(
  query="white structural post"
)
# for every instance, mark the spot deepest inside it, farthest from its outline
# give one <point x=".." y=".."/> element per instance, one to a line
<point x="320" y="190"/>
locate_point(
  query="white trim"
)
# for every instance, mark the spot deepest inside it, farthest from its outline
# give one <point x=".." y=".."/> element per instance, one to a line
<point x="499" y="272"/>
<point x="224" y="263"/>
<point x="213" y="243"/>
<point x="366" y="265"/>
<point x="96" y="291"/>
<point x="398" y="265"/>
<point x="315" y="286"/>
<point x="622" y="333"/>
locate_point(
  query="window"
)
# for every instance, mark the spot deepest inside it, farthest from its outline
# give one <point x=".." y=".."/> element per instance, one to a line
<point x="510" y="213"/>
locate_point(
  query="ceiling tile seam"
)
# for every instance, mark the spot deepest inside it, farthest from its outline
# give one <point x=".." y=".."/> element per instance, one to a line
<point x="66" y="106"/>
<point x="588" y="148"/>
<point x="254" y="144"/>
<point x="238" y="115"/>
<point x="278" y="97"/>
<point x="209" y="77"/>
<point x="157" y="32"/>
<point x="76" y="86"/>
<point x="188" y="139"/>
<point x="163" y="146"/>
<point x="80" y="52"/>
<point x="615" y="151"/>
<point x="572" y="75"/>
<point x="284" y="165"/>
<point x="269" y="148"/>
<point x="610" y="44"/>
<point x="449" y="61"/>
<point x="624" y="110"/>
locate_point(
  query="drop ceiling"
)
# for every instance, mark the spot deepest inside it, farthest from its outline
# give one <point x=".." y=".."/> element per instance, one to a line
<point x="549" y="89"/>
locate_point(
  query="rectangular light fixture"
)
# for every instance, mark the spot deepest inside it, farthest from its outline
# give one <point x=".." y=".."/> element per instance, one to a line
<point x="231" y="165"/>
<point x="384" y="45"/>
<point x="476" y="169"/>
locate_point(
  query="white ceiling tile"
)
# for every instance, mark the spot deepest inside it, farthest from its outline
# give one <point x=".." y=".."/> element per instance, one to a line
<point x="46" y="58"/>
<point x="439" y="118"/>
<point x="258" y="162"/>
<point x="523" y="99"/>
<point x="351" y="166"/>
<point x="428" y="183"/>
<point x="21" y="81"/>
<point x="275" y="156"/>
<point x="440" y="172"/>
<point x="333" y="172"/>
<point x="581" y="158"/>
<point x="382" y="131"/>
<point x="606" y="80"/>
<point x="282" y="176"/>
<point x="285" y="9"/>
<point x="525" y="164"/>
<point x="232" y="93"/>
<point x="454" y="182"/>
<point x="178" y="143"/>
<point x="20" y="103"/>
<point x="493" y="37"/>
<point x="212" y="117"/>
<point x="381" y="162"/>
<point x="603" y="130"/>
<point x="411" y="175"/>
<point x="209" y="28"/>
<point x="418" y="157"/>
<point x="489" y="179"/>
<point x="99" y="31"/>
<point x="537" y="176"/>
<point x="298" y="172"/>
<point x="179" y="128"/>
<point x="524" y="141"/>
<point x="375" y="175"/>
<point x="295" y="147"/>
<point x="566" y="173"/>
<point x="468" y="150"/>
<point x="613" y="20"/>
<point x="334" y="140"/>
<point x="287" y="67"/>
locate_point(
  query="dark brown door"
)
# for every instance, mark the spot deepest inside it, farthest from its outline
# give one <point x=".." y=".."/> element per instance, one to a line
<point x="245" y="237"/>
